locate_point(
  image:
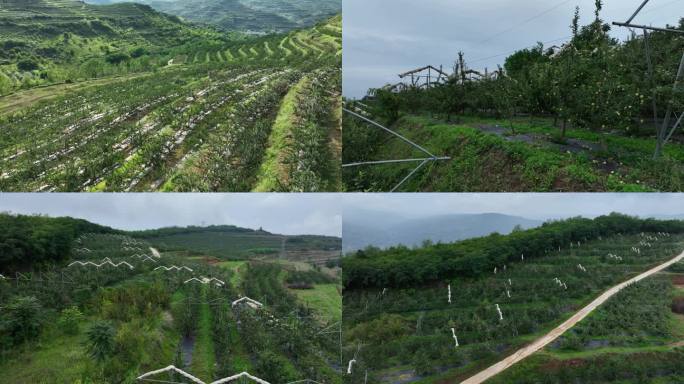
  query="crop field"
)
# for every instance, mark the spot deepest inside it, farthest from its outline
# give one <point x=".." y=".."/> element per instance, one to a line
<point x="119" y="309"/>
<point x="404" y="333"/>
<point x="241" y="115"/>
<point x="636" y="337"/>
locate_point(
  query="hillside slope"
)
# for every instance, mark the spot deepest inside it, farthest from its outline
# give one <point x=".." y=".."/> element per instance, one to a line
<point x="210" y="116"/>
<point x="445" y="313"/>
<point x="250" y="16"/>
<point x="229" y="242"/>
<point x="47" y="41"/>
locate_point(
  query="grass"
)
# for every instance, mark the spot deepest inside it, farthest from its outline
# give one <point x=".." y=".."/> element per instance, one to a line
<point x="203" y="353"/>
<point x="271" y="171"/>
<point x="237" y="268"/>
<point x="325" y="299"/>
<point x="240" y="360"/>
<point x="61" y="358"/>
<point x="483" y="161"/>
<point x="55" y="358"/>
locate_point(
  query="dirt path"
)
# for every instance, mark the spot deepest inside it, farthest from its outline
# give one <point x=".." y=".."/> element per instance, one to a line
<point x="555" y="333"/>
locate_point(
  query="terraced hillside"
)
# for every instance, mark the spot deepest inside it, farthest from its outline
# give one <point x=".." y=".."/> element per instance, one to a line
<point x="240" y="115"/>
<point x="454" y="325"/>
<point x="119" y="309"/>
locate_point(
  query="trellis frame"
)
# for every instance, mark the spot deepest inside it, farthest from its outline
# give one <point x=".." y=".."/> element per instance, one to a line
<point x="663" y="131"/>
<point x="423" y="161"/>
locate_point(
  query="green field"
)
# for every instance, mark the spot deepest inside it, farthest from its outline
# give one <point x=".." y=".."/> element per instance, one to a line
<point x="236" y="267"/>
<point x="324" y="299"/>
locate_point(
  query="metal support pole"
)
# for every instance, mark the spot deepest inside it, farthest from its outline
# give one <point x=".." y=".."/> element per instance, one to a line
<point x="649" y="62"/>
<point x="393" y="161"/>
<point x="637" y="11"/>
<point x="668" y="114"/>
<point x="423" y="160"/>
<point x="390" y="131"/>
<point x="409" y="175"/>
<point x="674" y="128"/>
<point x="628" y="25"/>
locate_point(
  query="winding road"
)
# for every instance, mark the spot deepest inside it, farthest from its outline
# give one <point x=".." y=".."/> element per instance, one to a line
<point x="555" y="333"/>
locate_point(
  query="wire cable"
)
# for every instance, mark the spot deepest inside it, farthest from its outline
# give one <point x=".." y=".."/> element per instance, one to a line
<point x="514" y="51"/>
<point x="526" y="21"/>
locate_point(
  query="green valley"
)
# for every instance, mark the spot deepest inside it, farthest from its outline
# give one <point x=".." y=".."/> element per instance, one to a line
<point x="247" y="16"/>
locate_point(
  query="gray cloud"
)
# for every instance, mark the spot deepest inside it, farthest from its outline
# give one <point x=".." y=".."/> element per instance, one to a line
<point x="385" y="37"/>
<point x="280" y="213"/>
<point x="530" y="205"/>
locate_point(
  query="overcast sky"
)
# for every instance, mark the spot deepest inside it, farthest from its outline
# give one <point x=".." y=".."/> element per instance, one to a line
<point x="541" y="206"/>
<point x="290" y="214"/>
<point x="385" y="37"/>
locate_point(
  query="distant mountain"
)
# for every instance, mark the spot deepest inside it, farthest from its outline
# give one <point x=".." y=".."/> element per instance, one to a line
<point x="666" y="217"/>
<point x="251" y="16"/>
<point x="380" y="229"/>
<point x="64" y="31"/>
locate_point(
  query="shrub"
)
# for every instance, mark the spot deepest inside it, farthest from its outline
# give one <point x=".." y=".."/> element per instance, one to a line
<point x="27" y="65"/>
<point x="69" y="320"/>
<point x="138" y="52"/>
<point x="117" y="58"/>
<point x="100" y="340"/>
<point x="22" y="319"/>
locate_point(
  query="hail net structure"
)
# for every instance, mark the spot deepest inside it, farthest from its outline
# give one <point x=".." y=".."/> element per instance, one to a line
<point x="665" y="130"/>
<point x="185" y="378"/>
<point x="425" y="77"/>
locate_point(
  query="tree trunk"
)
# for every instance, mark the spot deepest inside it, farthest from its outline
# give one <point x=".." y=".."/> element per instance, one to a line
<point x="565" y="122"/>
